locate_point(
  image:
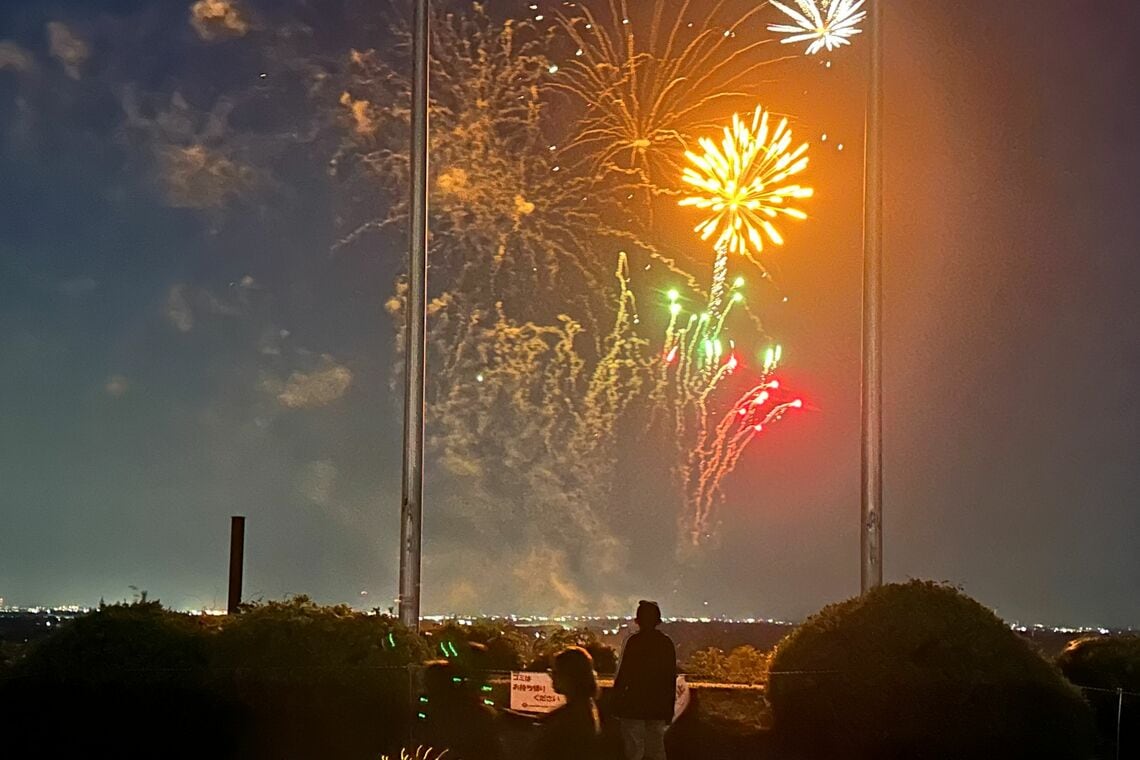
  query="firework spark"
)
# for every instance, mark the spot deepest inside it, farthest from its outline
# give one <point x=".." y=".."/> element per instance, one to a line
<point x="825" y="23"/>
<point x="510" y="223"/>
<point x="697" y="361"/>
<point x="720" y="447"/>
<point x="742" y="186"/>
<point x="647" y="88"/>
<point x="528" y="422"/>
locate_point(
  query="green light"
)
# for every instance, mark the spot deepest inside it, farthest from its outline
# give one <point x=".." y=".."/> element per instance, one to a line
<point x="719" y="349"/>
<point x="423" y="699"/>
<point x="391" y="639"/>
<point x="738" y="282"/>
<point x="485" y="687"/>
<point x="737" y="297"/>
<point x="768" y="358"/>
<point x="704" y="316"/>
<point x="674" y="309"/>
<point x="708" y="347"/>
<point x="421" y="716"/>
<point x="456" y="679"/>
<point x="489" y="702"/>
<point x="674" y="295"/>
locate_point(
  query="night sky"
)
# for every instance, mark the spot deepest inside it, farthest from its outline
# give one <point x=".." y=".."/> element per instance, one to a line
<point x="172" y="354"/>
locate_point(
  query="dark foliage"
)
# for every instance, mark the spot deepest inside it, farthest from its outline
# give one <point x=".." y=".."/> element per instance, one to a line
<point x="544" y="649"/>
<point x="744" y="664"/>
<point x="9" y="653"/>
<point x="1103" y="665"/>
<point x="317" y="681"/>
<point x="118" y="682"/>
<point x="919" y="670"/>
<point x="284" y="679"/>
<point x="505" y="646"/>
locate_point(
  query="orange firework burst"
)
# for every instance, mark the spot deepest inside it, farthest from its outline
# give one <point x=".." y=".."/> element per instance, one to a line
<point x="742" y="183"/>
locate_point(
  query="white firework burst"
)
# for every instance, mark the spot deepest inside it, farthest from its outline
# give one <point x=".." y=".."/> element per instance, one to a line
<point x="825" y="23"/>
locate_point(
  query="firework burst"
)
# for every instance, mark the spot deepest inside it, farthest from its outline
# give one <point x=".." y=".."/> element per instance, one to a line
<point x="647" y="87"/>
<point x="509" y="223"/>
<point x="538" y="372"/>
<point x="742" y="186"/>
<point x="822" y="23"/>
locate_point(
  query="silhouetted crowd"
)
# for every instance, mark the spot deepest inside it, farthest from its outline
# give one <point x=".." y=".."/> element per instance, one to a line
<point x="642" y="700"/>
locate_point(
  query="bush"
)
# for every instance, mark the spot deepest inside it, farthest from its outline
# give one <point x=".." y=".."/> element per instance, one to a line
<point x="10" y="652"/>
<point x="317" y="681"/>
<point x="745" y="664"/>
<point x="1106" y="664"/>
<point x="283" y="679"/>
<point x="125" y="664"/>
<point x="920" y="670"/>
<point x="301" y="641"/>
<point x="506" y="646"/>
<point x="545" y="647"/>
<point x="137" y="643"/>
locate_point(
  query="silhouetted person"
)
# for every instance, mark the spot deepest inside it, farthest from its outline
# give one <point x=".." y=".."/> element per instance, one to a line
<point x="572" y="731"/>
<point x="457" y="720"/>
<point x="645" y="686"/>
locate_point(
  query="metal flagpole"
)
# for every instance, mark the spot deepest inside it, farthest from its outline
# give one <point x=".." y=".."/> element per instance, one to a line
<point x="871" y="529"/>
<point x="411" y="507"/>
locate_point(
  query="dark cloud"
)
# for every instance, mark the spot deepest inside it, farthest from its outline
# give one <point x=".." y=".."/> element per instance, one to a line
<point x="178" y="310"/>
<point x="13" y="57"/>
<point x="78" y="286"/>
<point x="116" y="386"/>
<point x="196" y="176"/>
<point x="320" y="387"/>
<point x="195" y="164"/>
<point x="68" y="48"/>
<point x="269" y="344"/>
<point x="318" y="482"/>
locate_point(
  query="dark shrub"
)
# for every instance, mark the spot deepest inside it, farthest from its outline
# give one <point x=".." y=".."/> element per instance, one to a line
<point x="1105" y="664"/>
<point x="317" y="681"/>
<point x="544" y="649"/>
<point x="506" y="646"/>
<point x="121" y="680"/>
<point x="744" y="664"/>
<point x="919" y="670"/>
<point x="9" y="652"/>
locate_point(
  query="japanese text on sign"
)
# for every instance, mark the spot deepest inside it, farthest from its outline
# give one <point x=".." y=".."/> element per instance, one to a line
<point x="534" y="692"/>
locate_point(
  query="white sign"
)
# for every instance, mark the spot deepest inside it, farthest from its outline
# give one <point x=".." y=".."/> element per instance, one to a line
<point x="681" y="700"/>
<point x="534" y="692"/>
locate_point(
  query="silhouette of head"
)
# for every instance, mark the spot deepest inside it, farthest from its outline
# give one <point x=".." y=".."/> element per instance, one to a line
<point x="574" y="675"/>
<point x="648" y="614"/>
<point x="441" y="679"/>
<point x="478" y="657"/>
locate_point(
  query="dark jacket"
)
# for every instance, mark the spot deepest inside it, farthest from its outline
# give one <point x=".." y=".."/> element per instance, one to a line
<point x="570" y="733"/>
<point x="646" y="683"/>
<point x="464" y="728"/>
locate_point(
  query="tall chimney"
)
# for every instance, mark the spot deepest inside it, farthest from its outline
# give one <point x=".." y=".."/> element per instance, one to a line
<point x="237" y="561"/>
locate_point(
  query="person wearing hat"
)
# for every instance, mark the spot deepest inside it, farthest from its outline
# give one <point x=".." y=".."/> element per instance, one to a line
<point x="645" y="686"/>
